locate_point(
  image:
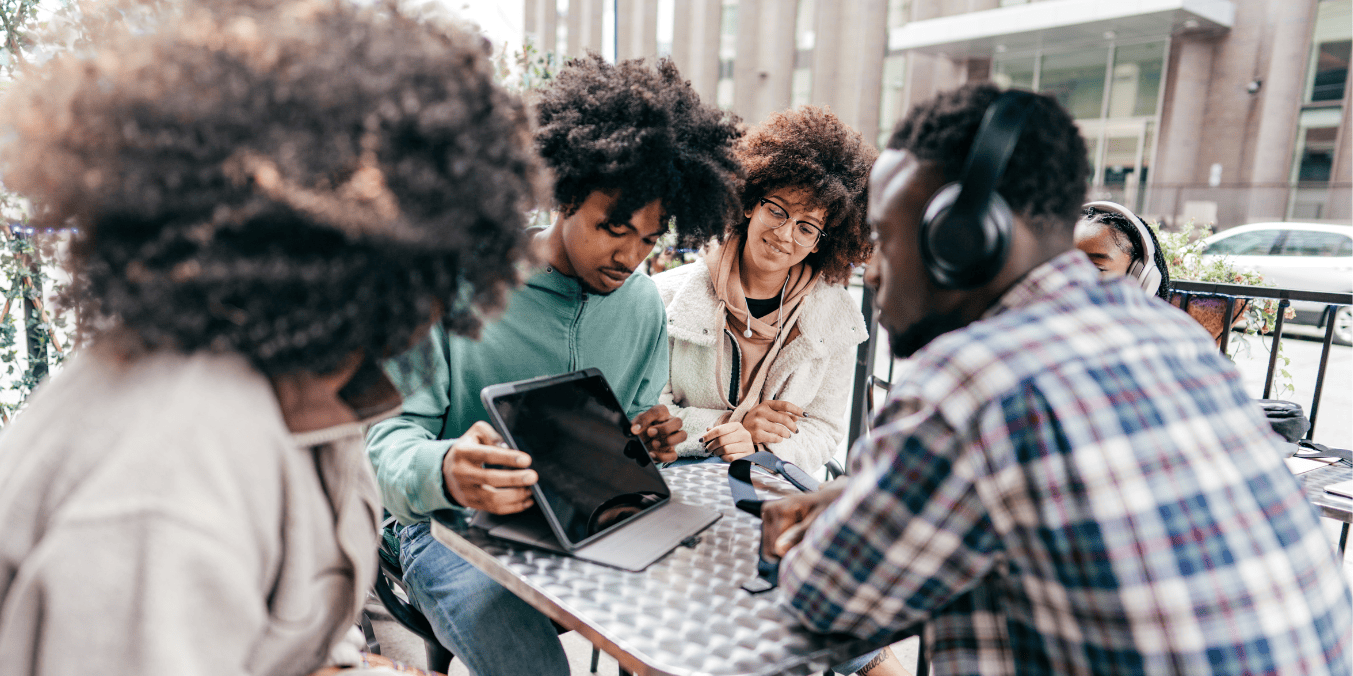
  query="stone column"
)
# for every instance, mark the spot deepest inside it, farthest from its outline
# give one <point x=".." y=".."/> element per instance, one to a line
<point x="695" y="44"/>
<point x="1282" y="92"/>
<point x="1182" y="122"/>
<point x="764" y="67"/>
<point x="584" y="26"/>
<point x="541" y="18"/>
<point x="746" y="69"/>
<point x="636" y="29"/>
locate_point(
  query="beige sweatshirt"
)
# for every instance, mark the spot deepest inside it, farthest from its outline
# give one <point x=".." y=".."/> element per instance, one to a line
<point x="159" y="518"/>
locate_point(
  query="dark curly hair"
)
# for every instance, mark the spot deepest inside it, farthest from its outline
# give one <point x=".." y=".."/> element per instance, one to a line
<point x="810" y="148"/>
<point x="1045" y="179"/>
<point x="291" y="183"/>
<point x="644" y="133"/>
<point x="1135" y="249"/>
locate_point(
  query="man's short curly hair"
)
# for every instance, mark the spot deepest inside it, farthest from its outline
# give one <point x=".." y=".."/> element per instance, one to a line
<point x="644" y="133"/>
<point x="291" y="183"/>
<point x="810" y="148"/>
<point x="1045" y="180"/>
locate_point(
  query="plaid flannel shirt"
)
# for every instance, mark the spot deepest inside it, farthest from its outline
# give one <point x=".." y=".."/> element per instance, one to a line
<point x="1077" y="484"/>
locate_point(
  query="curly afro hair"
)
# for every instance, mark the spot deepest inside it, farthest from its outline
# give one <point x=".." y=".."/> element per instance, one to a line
<point x="810" y="148"/>
<point x="1129" y="239"/>
<point x="645" y="134"/>
<point x="290" y="183"/>
<point x="1045" y="180"/>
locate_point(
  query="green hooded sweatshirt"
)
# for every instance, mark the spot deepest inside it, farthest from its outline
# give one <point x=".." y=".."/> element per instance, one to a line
<point x="551" y="326"/>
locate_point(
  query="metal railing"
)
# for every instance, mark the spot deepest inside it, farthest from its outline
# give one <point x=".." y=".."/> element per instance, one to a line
<point x="865" y="379"/>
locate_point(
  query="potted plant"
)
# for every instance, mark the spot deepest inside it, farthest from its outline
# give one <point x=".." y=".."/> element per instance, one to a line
<point x="1183" y="253"/>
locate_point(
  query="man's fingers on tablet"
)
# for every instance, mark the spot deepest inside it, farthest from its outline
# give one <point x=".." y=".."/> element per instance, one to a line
<point x="504" y="500"/>
<point x="503" y="478"/>
<point x="647" y="418"/>
<point x="496" y="455"/>
<point x="483" y="433"/>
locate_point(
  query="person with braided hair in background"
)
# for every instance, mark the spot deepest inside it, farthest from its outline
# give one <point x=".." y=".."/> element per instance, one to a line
<point x="1120" y="244"/>
<point x="266" y="200"/>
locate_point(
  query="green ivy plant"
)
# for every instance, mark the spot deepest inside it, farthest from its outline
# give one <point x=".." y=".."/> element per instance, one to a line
<point x="36" y="331"/>
<point x="1183" y="252"/>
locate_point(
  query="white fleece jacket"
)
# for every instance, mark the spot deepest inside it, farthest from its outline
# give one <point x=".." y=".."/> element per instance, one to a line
<point x="813" y="371"/>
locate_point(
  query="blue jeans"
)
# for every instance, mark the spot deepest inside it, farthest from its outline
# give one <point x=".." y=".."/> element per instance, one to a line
<point x="849" y="666"/>
<point x="486" y="626"/>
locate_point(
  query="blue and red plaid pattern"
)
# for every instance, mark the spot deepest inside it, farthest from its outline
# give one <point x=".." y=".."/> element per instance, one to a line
<point x="1077" y="484"/>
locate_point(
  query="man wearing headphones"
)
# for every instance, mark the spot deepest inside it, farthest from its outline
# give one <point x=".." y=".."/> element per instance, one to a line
<point x="1070" y="480"/>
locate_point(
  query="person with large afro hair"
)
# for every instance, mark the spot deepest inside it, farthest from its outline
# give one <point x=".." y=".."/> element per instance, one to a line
<point x="633" y="153"/>
<point x="772" y="292"/>
<point x="263" y="201"/>
<point x="763" y="333"/>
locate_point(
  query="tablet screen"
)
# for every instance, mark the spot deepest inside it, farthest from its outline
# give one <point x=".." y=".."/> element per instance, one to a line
<point x="593" y="473"/>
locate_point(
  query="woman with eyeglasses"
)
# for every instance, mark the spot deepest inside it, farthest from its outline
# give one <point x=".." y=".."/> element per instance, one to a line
<point x="763" y="333"/>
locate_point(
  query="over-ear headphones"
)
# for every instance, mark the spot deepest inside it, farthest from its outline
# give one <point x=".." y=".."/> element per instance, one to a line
<point x="1144" y="271"/>
<point x="966" y="229"/>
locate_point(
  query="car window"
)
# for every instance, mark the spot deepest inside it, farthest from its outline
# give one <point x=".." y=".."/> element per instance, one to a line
<point x="1316" y="243"/>
<point x="1253" y="243"/>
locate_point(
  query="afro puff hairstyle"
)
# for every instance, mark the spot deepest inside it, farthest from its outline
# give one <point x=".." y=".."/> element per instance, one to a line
<point x="1044" y="182"/>
<point x="810" y="148"/>
<point x="291" y="183"/>
<point x="643" y="133"/>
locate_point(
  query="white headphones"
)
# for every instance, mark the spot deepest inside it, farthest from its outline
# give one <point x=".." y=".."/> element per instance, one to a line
<point x="1145" y="271"/>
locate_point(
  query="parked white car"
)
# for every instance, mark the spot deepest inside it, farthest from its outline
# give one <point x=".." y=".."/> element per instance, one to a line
<point x="1298" y="256"/>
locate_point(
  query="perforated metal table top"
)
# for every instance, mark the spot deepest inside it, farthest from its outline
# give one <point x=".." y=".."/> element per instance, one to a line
<point x="686" y="614"/>
<point x="1331" y="505"/>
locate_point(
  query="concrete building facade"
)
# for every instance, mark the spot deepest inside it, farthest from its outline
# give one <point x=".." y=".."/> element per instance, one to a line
<point x="1221" y="111"/>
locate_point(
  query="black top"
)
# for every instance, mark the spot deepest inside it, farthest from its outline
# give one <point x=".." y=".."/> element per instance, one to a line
<point x="760" y="308"/>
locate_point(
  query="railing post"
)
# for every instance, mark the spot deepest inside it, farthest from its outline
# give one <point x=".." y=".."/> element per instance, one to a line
<point x="1320" y="375"/>
<point x="1227" y="321"/>
<point x="1273" y="350"/>
<point x="864" y="366"/>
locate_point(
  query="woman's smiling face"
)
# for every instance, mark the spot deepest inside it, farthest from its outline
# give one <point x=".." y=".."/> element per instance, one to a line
<point x="772" y="247"/>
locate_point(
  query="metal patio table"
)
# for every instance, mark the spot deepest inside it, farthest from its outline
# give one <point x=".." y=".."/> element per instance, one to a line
<point x="686" y="614"/>
<point x="1331" y="506"/>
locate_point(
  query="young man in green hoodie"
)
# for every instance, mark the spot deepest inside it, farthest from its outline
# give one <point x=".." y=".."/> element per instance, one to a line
<point x="631" y="149"/>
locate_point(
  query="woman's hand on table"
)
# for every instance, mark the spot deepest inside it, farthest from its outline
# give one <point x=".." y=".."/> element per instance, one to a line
<point x="729" y="441"/>
<point x="772" y="420"/>
<point x="661" y="432"/>
<point x="784" y="521"/>
<point x="480" y="474"/>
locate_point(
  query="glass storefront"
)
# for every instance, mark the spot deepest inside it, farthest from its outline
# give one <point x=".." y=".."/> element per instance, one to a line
<point x="1113" y="91"/>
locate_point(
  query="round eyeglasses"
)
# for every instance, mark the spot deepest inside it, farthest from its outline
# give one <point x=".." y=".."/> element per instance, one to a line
<point x="774" y="216"/>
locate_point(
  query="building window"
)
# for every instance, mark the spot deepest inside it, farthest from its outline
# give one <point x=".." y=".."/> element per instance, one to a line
<point x="1076" y="80"/>
<point x="1113" y="92"/>
<point x="801" y="89"/>
<point x="728" y="50"/>
<point x="1134" y="87"/>
<point x="1015" y="73"/>
<point x="1316" y="134"/>
<point x="1331" y="47"/>
<point x="890" y="95"/>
